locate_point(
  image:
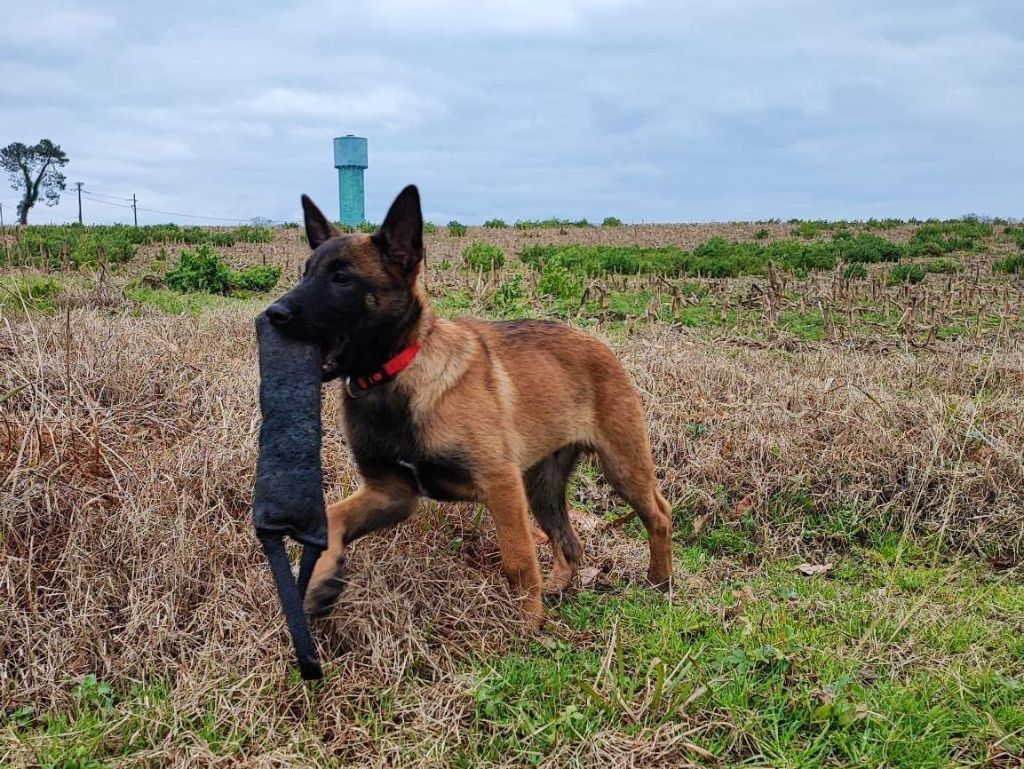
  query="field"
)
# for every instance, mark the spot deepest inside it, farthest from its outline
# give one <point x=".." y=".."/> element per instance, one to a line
<point x="836" y="414"/>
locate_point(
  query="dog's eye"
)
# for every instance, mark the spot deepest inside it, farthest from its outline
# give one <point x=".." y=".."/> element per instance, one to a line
<point x="342" y="279"/>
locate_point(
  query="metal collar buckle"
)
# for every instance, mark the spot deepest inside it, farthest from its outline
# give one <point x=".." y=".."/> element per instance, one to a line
<point x="353" y="392"/>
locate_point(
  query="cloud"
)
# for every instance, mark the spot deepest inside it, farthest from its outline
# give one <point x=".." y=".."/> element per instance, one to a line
<point x="29" y="26"/>
<point x="645" y="110"/>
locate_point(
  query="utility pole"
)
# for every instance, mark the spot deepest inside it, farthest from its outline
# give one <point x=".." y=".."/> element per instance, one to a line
<point x="135" y="213"/>
<point x="79" y="186"/>
<point x="1" y="214"/>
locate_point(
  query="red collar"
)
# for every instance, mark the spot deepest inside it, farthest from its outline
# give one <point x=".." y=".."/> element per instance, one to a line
<point x="385" y="373"/>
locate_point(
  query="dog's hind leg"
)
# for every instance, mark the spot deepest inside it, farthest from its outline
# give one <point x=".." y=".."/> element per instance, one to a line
<point x="625" y="454"/>
<point x="545" y="487"/>
<point x="372" y="507"/>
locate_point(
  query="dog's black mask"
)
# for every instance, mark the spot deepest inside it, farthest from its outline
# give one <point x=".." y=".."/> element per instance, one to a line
<point x="356" y="297"/>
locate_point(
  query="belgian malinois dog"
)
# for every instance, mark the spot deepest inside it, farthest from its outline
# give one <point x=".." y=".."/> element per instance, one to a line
<point x="496" y="412"/>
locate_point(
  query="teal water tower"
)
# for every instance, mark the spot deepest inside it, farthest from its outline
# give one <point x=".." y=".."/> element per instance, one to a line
<point x="350" y="160"/>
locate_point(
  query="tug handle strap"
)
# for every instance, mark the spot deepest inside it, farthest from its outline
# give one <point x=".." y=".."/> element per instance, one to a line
<point x="288" y="499"/>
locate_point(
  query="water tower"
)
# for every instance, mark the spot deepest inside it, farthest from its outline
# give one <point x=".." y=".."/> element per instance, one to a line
<point x="350" y="160"/>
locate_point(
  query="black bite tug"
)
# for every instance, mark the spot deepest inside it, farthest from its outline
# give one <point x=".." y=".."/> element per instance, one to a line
<point x="288" y="498"/>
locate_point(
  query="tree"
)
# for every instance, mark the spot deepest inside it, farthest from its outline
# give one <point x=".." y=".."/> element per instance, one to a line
<point x="34" y="171"/>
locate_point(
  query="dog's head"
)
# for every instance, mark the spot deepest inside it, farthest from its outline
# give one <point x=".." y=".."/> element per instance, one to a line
<point x="358" y="293"/>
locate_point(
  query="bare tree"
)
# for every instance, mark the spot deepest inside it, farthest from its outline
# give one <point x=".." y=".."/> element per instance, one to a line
<point x="34" y="170"/>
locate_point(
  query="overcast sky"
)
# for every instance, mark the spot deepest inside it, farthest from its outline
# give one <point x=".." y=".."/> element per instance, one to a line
<point x="649" y="111"/>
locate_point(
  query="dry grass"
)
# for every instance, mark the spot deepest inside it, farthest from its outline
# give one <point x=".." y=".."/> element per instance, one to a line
<point x="127" y="449"/>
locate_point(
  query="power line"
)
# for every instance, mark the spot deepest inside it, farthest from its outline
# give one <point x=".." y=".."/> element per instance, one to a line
<point x="117" y="201"/>
<point x="101" y="195"/>
<point x="108" y="203"/>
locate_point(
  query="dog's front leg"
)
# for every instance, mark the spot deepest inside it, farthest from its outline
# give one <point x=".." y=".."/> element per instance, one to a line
<point x="506" y="499"/>
<point x="372" y="507"/>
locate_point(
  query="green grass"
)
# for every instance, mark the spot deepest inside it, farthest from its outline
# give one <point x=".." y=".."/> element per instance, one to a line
<point x="175" y="303"/>
<point x="889" y="659"/>
<point x="808" y="673"/>
<point x="29" y="292"/>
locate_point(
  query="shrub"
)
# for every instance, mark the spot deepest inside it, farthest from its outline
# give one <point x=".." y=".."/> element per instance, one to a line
<point x="883" y="224"/>
<point x="597" y="260"/>
<point x="720" y="258"/>
<point x="943" y="266"/>
<point x="906" y="273"/>
<point x="936" y="238"/>
<point x="495" y="224"/>
<point x="429" y="228"/>
<point x="74" y="245"/>
<point x="855" y="270"/>
<point x="809" y="230"/>
<point x="200" y="270"/>
<point x="533" y="224"/>
<point x="801" y="257"/>
<point x="509" y="299"/>
<point x="1013" y="264"/>
<point x="456" y="230"/>
<point x="762" y="234"/>
<point x="261" y="278"/>
<point x="558" y="282"/>
<point x="611" y="221"/>
<point x="869" y="249"/>
<point x="484" y="256"/>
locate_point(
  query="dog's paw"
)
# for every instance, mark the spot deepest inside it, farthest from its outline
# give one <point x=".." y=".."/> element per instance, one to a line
<point x="660" y="581"/>
<point x="322" y="595"/>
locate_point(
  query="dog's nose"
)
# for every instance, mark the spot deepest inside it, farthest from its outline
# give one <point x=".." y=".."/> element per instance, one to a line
<point x="279" y="314"/>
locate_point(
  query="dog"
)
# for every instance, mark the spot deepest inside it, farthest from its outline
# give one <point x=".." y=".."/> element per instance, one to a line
<point x="496" y="412"/>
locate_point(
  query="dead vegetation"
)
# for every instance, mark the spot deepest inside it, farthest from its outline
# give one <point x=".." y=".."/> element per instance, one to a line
<point x="127" y="449"/>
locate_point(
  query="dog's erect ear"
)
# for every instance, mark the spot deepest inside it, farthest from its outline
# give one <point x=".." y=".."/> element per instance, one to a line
<point x="318" y="229"/>
<point x="400" y="237"/>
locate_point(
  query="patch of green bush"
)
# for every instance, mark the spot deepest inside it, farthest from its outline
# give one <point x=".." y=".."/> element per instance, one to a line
<point x="558" y="282"/>
<point x="536" y="224"/>
<point x="509" y="300"/>
<point x="456" y="229"/>
<point x="611" y="221"/>
<point x="484" y="256"/>
<point x="934" y="238"/>
<point x="598" y="260"/>
<point x="54" y="246"/>
<point x="1013" y="264"/>
<point x="202" y="270"/>
<point x="495" y="224"/>
<point x="809" y="230"/>
<point x="943" y="266"/>
<point x="906" y="273"/>
<point x="868" y="249"/>
<point x="855" y="270"/>
<point x="802" y="257"/>
<point x="716" y="258"/>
